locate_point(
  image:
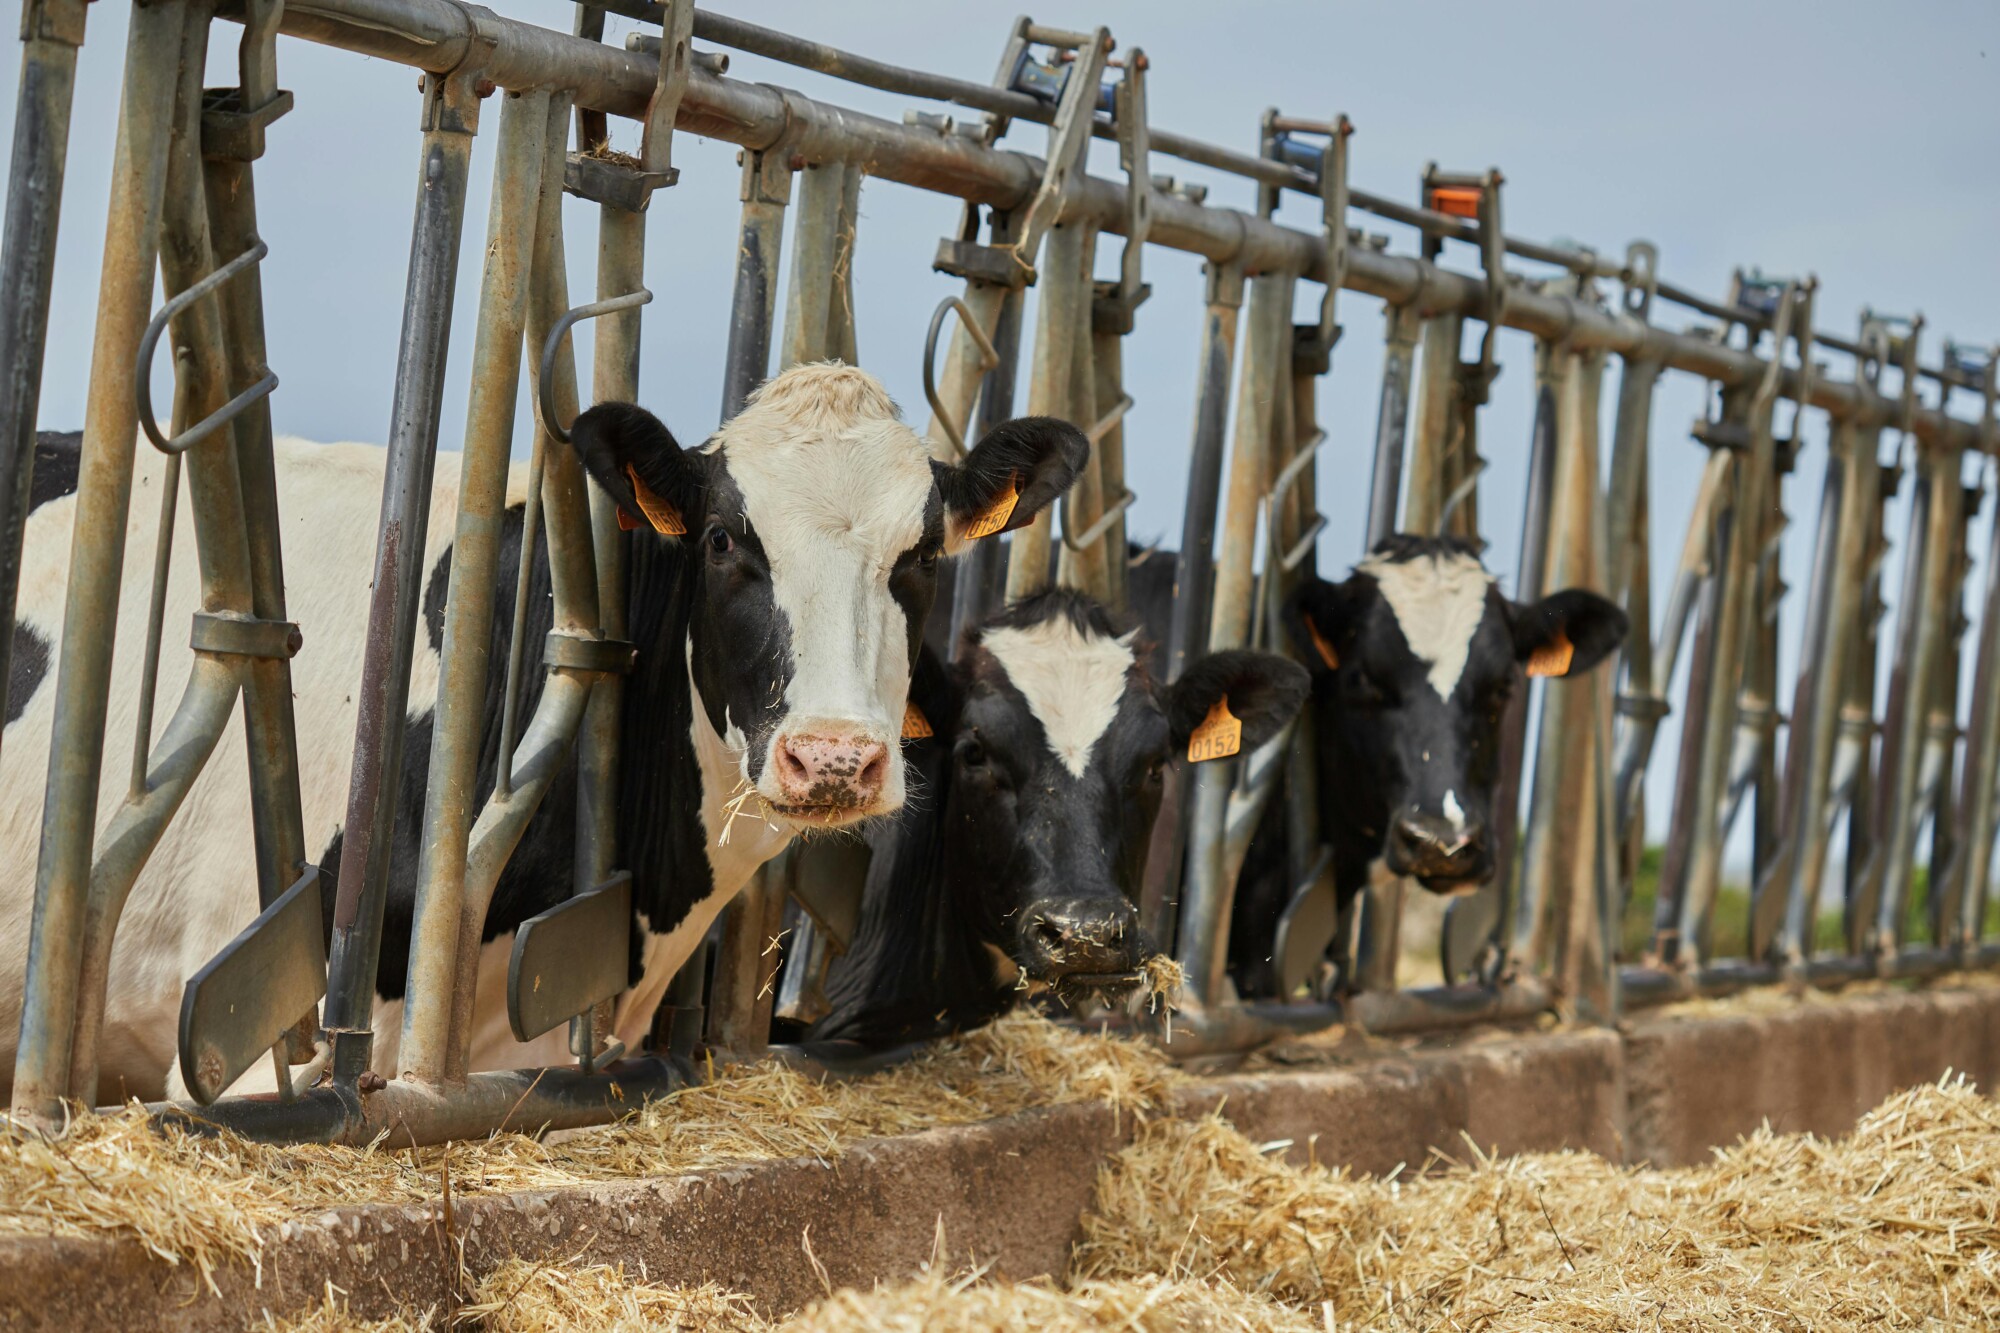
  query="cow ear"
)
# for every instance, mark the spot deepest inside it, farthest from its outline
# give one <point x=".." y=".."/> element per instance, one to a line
<point x="1261" y="690"/>
<point x="635" y="458"/>
<point x="1009" y="477"/>
<point x="1320" y="618"/>
<point x="1566" y="633"/>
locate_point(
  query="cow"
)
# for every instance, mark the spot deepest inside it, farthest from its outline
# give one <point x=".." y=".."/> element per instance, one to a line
<point x="775" y="643"/>
<point x="1414" y="657"/>
<point x="1017" y="861"/>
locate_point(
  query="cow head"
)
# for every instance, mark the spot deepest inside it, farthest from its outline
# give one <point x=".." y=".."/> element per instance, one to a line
<point x="1058" y="745"/>
<point x="1415" y="657"/>
<point x="813" y="522"/>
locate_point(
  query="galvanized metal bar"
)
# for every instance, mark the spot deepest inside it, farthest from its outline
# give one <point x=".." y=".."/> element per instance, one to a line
<point x="1194" y="568"/>
<point x="1060" y="381"/>
<point x="215" y="504"/>
<point x="1391" y="421"/>
<point x="978" y="584"/>
<point x="1936" y="788"/>
<point x="460" y="719"/>
<point x="97" y="559"/>
<point x="437" y="34"/>
<point x="557" y="492"/>
<point x="51" y="32"/>
<point x="1435" y="430"/>
<point x="766" y="192"/>
<point x="450" y="119"/>
<point x="270" y="732"/>
<point x="822" y="241"/>
<point x="1934" y="518"/>
<point x="1980" y="777"/>
<point x="1566" y="853"/>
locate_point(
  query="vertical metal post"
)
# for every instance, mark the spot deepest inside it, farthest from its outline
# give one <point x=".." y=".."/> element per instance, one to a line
<point x="1980" y="776"/>
<point x="979" y="579"/>
<point x="464" y="668"/>
<point x="767" y="190"/>
<point x="51" y="32"/>
<point x="1194" y="568"/>
<point x="1386" y="483"/>
<point x="450" y="119"/>
<point x="1436" y="423"/>
<point x="1833" y="607"/>
<point x="1261" y="419"/>
<point x="1565" y="871"/>
<point x="1059" y="381"/>
<point x="819" y="310"/>
<point x="97" y="559"/>
<point x="1934" y="518"/>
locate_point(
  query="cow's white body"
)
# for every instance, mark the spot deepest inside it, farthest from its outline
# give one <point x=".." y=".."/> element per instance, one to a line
<point x="199" y="888"/>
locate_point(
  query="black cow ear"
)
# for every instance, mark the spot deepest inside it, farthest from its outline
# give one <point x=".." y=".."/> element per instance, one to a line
<point x="637" y="461"/>
<point x="1262" y="690"/>
<point x="1320" y="618"/>
<point x="1566" y="633"/>
<point x="1010" y="476"/>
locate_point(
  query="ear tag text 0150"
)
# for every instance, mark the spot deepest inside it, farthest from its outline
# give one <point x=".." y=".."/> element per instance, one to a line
<point x="1219" y="736"/>
<point x="995" y="516"/>
<point x="666" y="519"/>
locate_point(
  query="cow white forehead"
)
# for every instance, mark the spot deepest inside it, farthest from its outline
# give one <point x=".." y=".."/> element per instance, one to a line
<point x="1072" y="681"/>
<point x="825" y="464"/>
<point x="1438" y="601"/>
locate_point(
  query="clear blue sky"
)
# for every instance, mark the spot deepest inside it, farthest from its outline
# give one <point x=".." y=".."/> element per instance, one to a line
<point x="1859" y="142"/>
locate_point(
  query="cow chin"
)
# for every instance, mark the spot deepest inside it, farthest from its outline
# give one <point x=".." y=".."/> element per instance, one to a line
<point x="1453" y="888"/>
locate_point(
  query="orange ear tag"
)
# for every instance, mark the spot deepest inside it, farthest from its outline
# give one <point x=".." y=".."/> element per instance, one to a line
<point x="666" y="519"/>
<point x="996" y="515"/>
<point x="1326" y="653"/>
<point x="1553" y="657"/>
<point x="1219" y="735"/>
<point x="916" y="727"/>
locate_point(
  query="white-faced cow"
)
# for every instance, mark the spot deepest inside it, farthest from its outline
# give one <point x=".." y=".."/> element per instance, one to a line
<point x="1414" y="657"/>
<point x="1018" y="859"/>
<point x="775" y="646"/>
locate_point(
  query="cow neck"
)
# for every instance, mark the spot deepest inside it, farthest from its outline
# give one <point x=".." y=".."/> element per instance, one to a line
<point x="662" y="834"/>
<point x="917" y="966"/>
<point x="739" y="837"/>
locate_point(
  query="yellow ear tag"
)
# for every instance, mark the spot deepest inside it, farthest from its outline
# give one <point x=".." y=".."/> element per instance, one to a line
<point x="1219" y="735"/>
<point x="666" y="519"/>
<point x="1326" y="653"/>
<point x="996" y="515"/>
<point x="916" y="727"/>
<point x="1553" y="657"/>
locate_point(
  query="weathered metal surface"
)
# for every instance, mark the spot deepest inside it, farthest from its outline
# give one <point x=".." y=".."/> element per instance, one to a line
<point x="242" y="1001"/>
<point x="563" y="962"/>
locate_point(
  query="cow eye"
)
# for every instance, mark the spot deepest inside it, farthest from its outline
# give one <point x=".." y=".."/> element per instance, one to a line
<point x="928" y="554"/>
<point x="719" y="540"/>
<point x="970" y="752"/>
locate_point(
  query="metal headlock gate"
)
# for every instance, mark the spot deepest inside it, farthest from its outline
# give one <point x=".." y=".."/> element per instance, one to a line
<point x="1543" y="934"/>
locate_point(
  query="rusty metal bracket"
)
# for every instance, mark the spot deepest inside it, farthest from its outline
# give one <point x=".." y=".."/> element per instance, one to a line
<point x="1082" y="95"/>
<point x="1462" y="194"/>
<point x="1641" y="277"/>
<point x="622" y="182"/>
<point x="577" y="652"/>
<point x="233" y="120"/>
<point x="53" y="21"/>
<point x="244" y="636"/>
<point x="1113" y="304"/>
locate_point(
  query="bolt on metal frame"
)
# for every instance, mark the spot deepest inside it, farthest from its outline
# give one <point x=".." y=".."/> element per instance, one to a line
<point x="182" y="200"/>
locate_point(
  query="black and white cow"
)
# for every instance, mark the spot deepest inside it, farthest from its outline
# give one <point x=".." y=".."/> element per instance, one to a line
<point x="1414" y="658"/>
<point x="1018" y="859"/>
<point x="775" y="640"/>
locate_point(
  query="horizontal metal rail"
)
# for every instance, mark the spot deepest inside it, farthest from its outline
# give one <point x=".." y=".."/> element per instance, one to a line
<point x="440" y="35"/>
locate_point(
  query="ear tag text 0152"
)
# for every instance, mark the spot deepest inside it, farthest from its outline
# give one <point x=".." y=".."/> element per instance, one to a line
<point x="1219" y="736"/>
<point x="1552" y="658"/>
<point x="916" y="727"/>
<point x="666" y="519"/>
<point x="995" y="516"/>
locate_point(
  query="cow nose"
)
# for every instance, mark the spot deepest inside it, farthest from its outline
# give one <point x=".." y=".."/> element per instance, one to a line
<point x="835" y="772"/>
<point x="1081" y="937"/>
<point x="1431" y="847"/>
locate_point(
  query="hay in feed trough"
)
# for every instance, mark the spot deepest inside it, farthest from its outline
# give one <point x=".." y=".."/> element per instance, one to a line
<point x="207" y="1200"/>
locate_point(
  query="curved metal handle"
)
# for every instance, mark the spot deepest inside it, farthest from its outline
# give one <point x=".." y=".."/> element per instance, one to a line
<point x="143" y="372"/>
<point x="988" y="359"/>
<point x="1459" y="495"/>
<point x="545" y="397"/>
<point x="1090" y="536"/>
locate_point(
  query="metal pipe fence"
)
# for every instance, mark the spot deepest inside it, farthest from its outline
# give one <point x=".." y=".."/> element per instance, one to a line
<point x="1804" y="772"/>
